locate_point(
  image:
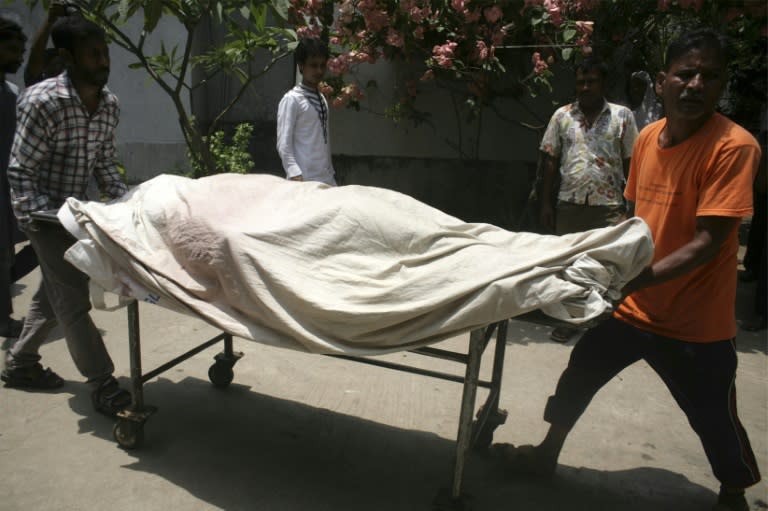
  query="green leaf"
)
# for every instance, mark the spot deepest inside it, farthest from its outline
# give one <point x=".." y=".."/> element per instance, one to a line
<point x="567" y="53"/>
<point x="124" y="8"/>
<point x="153" y="9"/>
<point x="281" y="8"/>
<point x="569" y="34"/>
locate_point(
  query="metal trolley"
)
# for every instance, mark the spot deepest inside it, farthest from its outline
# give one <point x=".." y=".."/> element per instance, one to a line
<point x="475" y="430"/>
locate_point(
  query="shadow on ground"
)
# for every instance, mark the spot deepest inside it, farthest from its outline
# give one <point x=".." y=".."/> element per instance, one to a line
<point x="237" y="449"/>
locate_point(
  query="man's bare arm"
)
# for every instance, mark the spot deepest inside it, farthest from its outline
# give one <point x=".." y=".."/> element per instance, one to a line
<point x="711" y="233"/>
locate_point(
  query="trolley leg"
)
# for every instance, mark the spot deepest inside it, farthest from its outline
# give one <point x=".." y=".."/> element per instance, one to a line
<point x="134" y="341"/>
<point x="129" y="428"/>
<point x="489" y="416"/>
<point x="455" y="501"/>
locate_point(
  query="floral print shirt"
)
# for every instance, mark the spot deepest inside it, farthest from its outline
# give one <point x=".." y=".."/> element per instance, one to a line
<point x="591" y="170"/>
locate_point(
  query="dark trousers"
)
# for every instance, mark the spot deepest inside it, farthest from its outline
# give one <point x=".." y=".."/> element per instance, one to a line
<point x="13" y="267"/>
<point x="700" y="376"/>
<point x="62" y="299"/>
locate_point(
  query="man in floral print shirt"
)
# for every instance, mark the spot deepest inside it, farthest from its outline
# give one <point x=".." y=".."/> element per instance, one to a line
<point x="587" y="145"/>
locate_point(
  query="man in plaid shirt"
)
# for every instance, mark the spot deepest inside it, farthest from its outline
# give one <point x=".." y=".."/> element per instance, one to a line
<point x="65" y="134"/>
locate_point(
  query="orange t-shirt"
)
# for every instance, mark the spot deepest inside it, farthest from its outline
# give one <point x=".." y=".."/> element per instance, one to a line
<point x="710" y="174"/>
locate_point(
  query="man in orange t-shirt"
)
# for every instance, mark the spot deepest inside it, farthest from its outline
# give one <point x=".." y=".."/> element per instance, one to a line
<point x="690" y="180"/>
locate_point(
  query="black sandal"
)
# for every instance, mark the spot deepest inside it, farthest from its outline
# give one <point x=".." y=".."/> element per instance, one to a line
<point x="31" y="377"/>
<point x="109" y="398"/>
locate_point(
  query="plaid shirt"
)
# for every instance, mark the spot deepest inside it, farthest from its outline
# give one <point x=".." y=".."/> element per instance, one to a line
<point x="58" y="146"/>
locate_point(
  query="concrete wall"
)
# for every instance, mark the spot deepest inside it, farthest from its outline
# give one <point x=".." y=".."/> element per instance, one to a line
<point x="420" y="161"/>
<point x="149" y="138"/>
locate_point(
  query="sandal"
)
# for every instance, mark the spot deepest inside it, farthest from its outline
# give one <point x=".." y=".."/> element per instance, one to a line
<point x="562" y="334"/>
<point x="523" y="461"/>
<point x="31" y="377"/>
<point x="109" y="398"/>
<point x="731" y="502"/>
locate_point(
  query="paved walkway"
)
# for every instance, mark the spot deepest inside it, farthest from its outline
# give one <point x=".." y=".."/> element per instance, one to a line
<point x="297" y="432"/>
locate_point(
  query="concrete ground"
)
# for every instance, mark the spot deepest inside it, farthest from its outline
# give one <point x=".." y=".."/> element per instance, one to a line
<point x="298" y="432"/>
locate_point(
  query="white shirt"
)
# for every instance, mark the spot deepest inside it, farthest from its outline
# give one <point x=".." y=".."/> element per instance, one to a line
<point x="303" y="136"/>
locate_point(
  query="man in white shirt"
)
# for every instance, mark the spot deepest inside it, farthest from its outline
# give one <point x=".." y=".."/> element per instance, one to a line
<point x="303" y="134"/>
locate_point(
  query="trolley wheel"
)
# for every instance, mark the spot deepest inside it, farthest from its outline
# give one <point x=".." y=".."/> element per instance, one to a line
<point x="128" y="434"/>
<point x="221" y="374"/>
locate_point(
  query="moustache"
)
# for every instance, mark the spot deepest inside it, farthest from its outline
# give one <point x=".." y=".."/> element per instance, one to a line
<point x="690" y="96"/>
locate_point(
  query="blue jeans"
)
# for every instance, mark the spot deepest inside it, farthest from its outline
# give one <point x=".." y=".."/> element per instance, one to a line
<point x="62" y="299"/>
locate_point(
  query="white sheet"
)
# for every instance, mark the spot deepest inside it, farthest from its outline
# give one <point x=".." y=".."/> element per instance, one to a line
<point x="354" y="269"/>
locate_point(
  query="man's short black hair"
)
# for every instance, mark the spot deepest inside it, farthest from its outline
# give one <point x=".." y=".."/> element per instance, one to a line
<point x="698" y="39"/>
<point x="593" y="64"/>
<point x="310" y="47"/>
<point x="9" y="30"/>
<point x="70" y="31"/>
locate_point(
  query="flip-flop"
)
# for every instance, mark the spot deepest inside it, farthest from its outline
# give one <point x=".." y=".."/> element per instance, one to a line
<point x="523" y="461"/>
<point x="31" y="377"/>
<point x="562" y="334"/>
<point x="731" y="502"/>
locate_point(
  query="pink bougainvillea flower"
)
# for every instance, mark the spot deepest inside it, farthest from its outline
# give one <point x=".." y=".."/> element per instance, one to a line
<point x="539" y="65"/>
<point x="585" y="27"/>
<point x="352" y="91"/>
<point x="326" y="90"/>
<point x="459" y="5"/>
<point x="376" y="20"/>
<point x="312" y="31"/>
<point x="395" y="38"/>
<point x="444" y="54"/>
<point x="419" y="15"/>
<point x="338" y="65"/>
<point x="483" y="51"/>
<point x="418" y="33"/>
